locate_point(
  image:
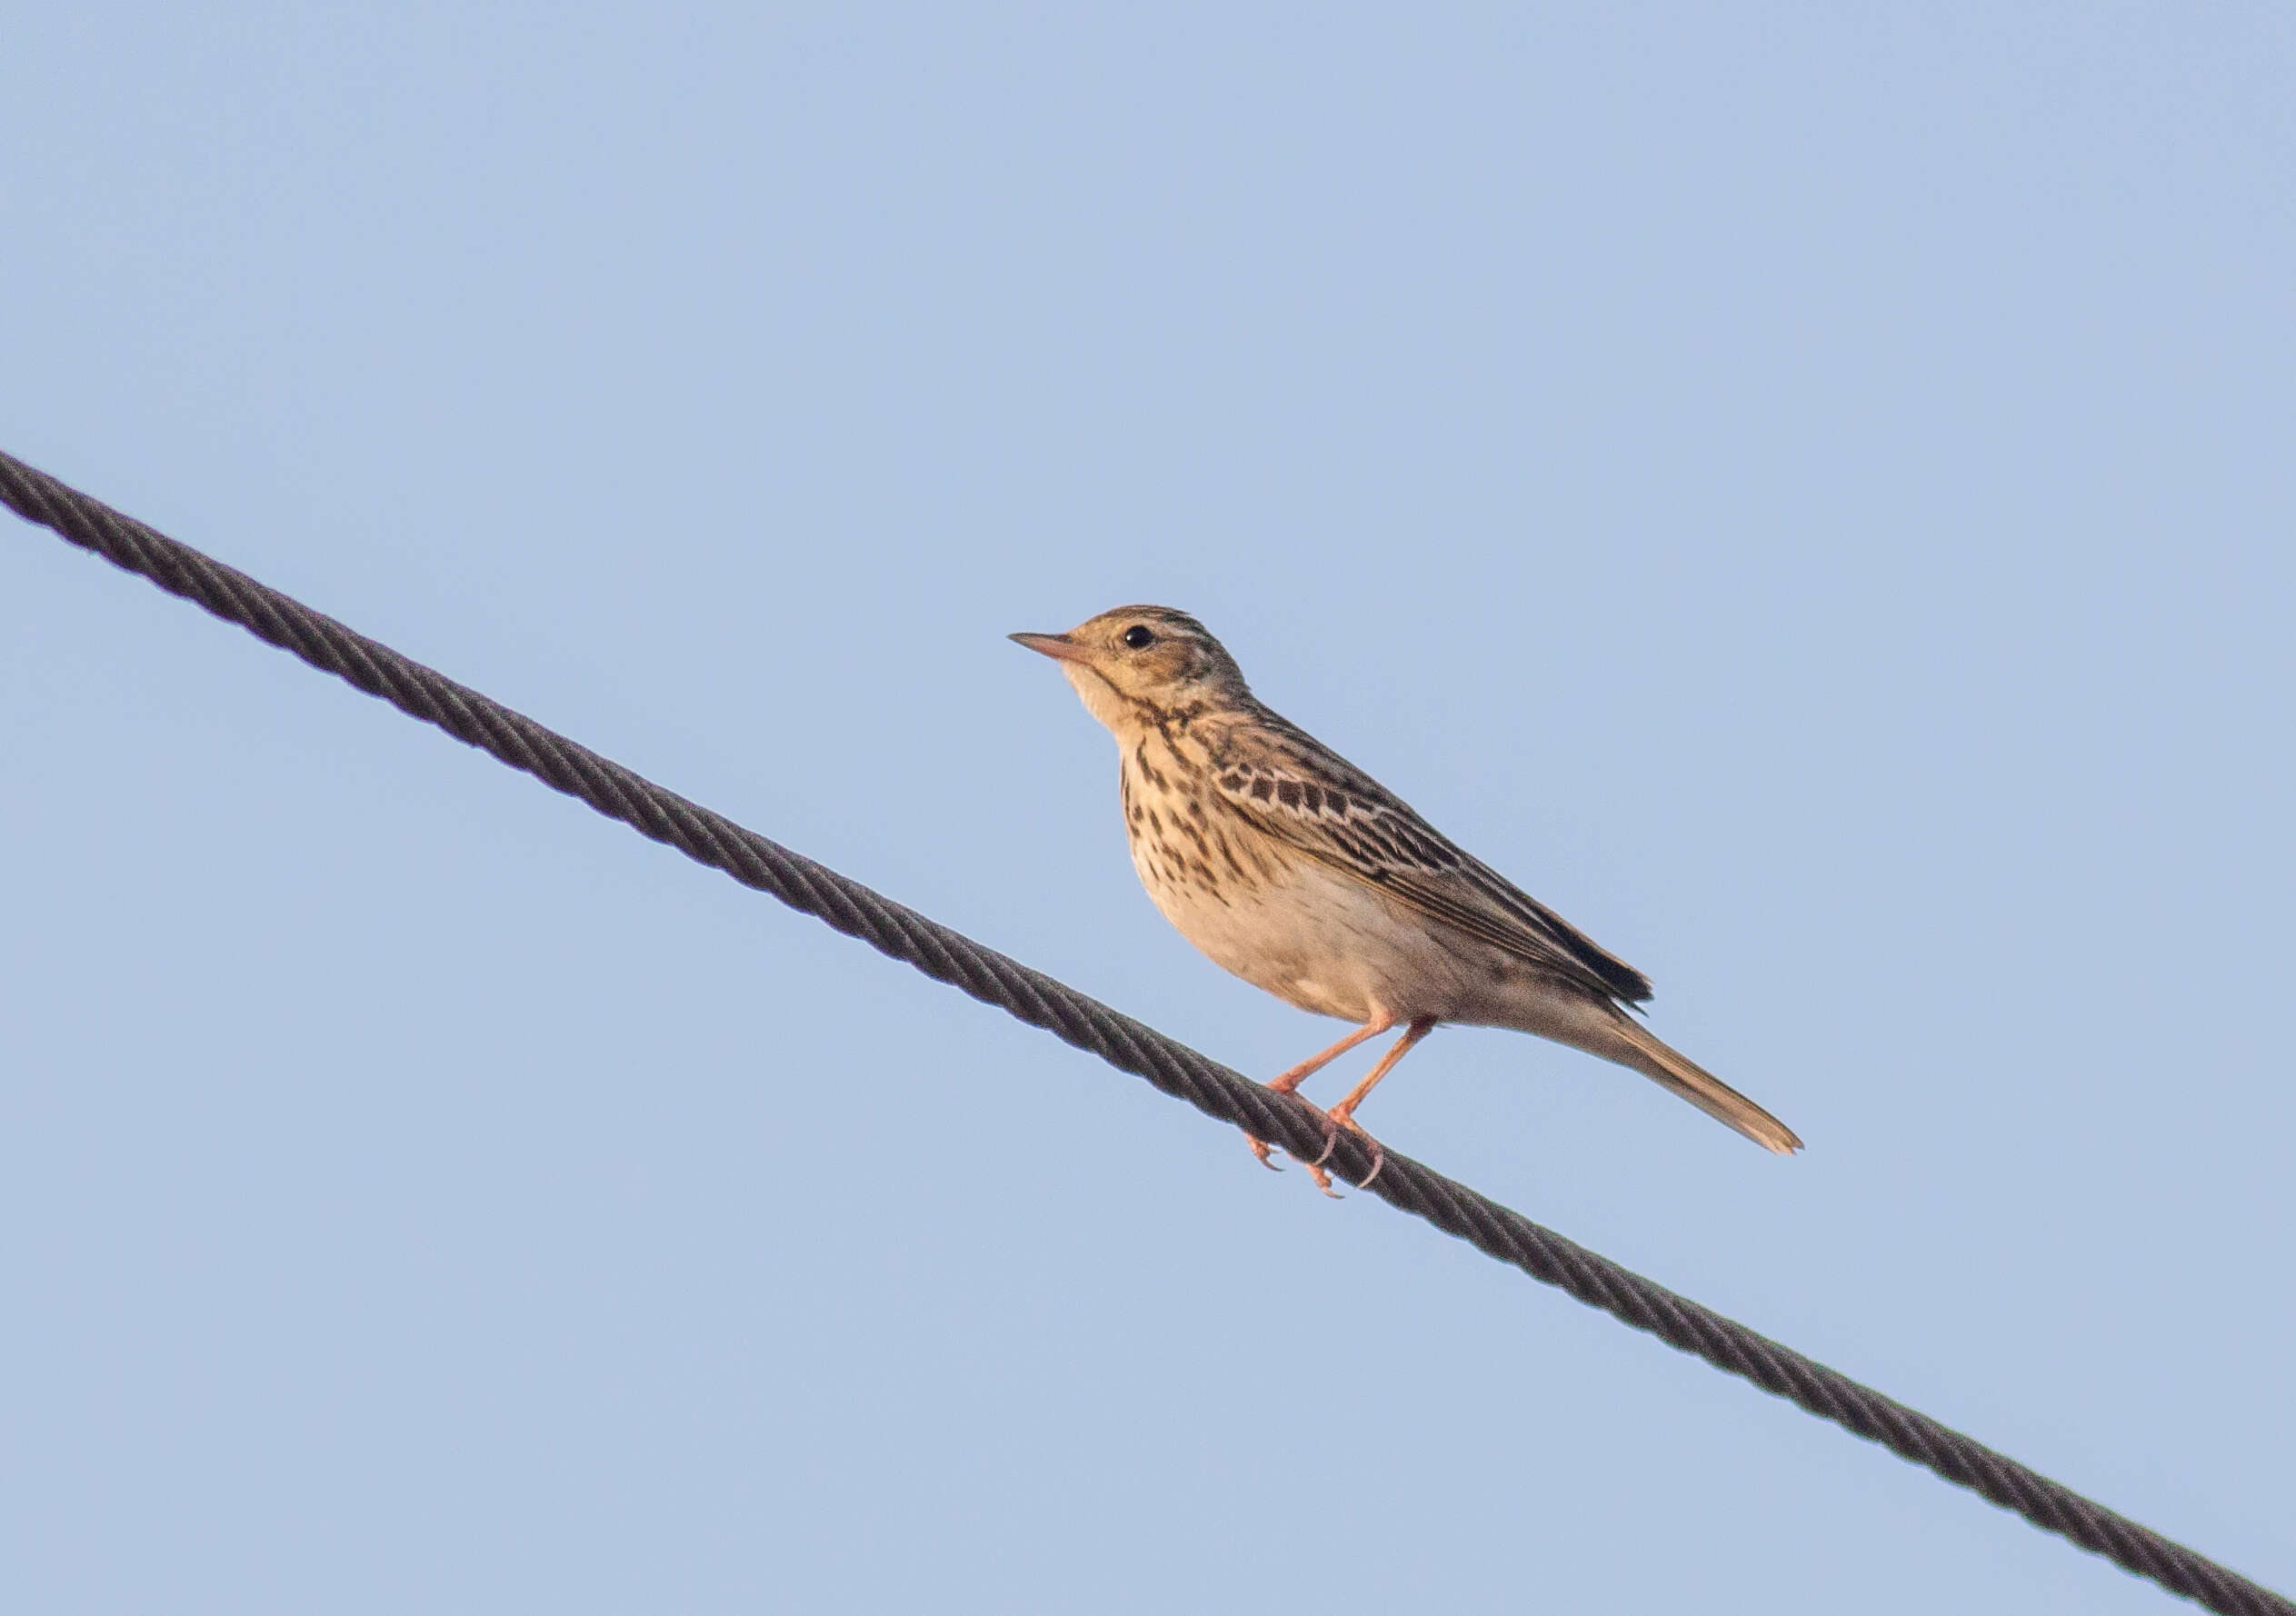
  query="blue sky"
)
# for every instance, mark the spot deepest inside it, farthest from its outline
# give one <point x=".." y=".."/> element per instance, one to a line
<point x="1805" y="490"/>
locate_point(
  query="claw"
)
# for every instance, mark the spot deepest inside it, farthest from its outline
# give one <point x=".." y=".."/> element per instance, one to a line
<point x="1339" y="1117"/>
<point x="1260" y="1149"/>
<point x="1379" y="1160"/>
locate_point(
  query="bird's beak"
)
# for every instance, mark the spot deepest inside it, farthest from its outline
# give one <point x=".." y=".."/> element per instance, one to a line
<point x="1059" y="647"/>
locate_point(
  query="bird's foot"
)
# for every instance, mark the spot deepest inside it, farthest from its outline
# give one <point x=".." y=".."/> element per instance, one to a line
<point x="1342" y="1116"/>
<point x="1315" y="1170"/>
<point x="1261" y="1149"/>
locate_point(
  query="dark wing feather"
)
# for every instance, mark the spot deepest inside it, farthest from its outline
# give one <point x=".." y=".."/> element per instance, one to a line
<point x="1298" y="790"/>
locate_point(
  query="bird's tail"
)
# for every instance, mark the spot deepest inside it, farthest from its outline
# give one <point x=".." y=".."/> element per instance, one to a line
<point x="1638" y="1047"/>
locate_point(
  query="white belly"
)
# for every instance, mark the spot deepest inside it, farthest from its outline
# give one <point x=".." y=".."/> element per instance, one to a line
<point x="1317" y="940"/>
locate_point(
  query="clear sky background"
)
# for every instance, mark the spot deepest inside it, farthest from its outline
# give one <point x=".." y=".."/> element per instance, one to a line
<point x="1804" y="489"/>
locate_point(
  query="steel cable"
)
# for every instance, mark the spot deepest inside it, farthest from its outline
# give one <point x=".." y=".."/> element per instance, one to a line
<point x="1127" y="1044"/>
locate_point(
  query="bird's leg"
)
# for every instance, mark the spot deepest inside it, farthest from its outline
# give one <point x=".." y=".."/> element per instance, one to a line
<point x="1314" y="1064"/>
<point x="1290" y="1081"/>
<point x="1343" y="1113"/>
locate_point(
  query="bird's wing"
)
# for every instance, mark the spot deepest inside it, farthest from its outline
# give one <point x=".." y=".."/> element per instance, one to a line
<point x="1299" y="791"/>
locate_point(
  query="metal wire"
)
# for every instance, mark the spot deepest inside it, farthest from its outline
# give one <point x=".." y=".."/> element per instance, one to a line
<point x="1129" y="1045"/>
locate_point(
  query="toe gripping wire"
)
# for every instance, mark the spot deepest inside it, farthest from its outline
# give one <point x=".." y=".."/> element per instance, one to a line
<point x="1129" y="1045"/>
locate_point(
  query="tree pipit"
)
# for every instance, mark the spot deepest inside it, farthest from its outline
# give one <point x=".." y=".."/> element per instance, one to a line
<point x="1301" y="874"/>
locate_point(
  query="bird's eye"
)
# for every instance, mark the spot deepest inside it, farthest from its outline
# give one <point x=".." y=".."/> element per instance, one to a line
<point x="1139" y="637"/>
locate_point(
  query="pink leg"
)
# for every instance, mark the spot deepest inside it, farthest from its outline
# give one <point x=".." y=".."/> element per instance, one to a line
<point x="1316" y="1064"/>
<point x="1307" y="1068"/>
<point x="1343" y="1113"/>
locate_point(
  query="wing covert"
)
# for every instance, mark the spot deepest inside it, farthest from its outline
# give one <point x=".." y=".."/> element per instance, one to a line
<point x="1347" y="821"/>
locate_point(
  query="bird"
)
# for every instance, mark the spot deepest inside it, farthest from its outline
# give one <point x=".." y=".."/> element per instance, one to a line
<point x="1291" y="868"/>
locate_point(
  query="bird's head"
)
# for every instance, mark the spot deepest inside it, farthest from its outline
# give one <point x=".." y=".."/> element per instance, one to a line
<point x="1136" y="663"/>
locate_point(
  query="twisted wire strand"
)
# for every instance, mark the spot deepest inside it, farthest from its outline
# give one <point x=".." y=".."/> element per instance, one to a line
<point x="1129" y="1045"/>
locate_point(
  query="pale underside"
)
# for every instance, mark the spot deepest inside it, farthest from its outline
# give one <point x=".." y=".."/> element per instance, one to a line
<point x="1329" y="943"/>
<point x="1294" y="870"/>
